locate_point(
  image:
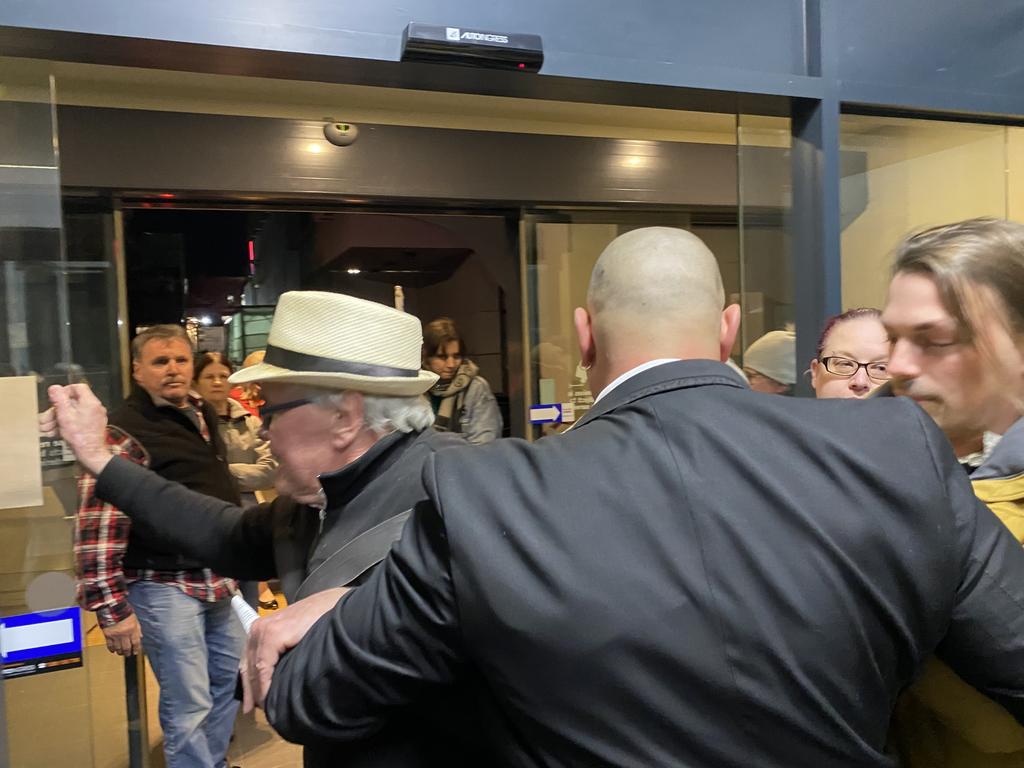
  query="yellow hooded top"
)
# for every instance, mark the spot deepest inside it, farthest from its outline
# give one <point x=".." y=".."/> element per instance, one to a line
<point x="941" y="721"/>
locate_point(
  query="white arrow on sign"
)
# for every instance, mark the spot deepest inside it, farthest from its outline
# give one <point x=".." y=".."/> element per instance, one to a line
<point x="540" y="414"/>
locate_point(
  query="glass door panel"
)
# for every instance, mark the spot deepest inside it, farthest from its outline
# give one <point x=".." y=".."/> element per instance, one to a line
<point x="59" y="325"/>
<point x="560" y="249"/>
<point x="764" y="195"/>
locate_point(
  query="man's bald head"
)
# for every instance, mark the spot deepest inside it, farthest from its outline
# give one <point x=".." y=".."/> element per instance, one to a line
<point x="656" y="286"/>
<point x="655" y="293"/>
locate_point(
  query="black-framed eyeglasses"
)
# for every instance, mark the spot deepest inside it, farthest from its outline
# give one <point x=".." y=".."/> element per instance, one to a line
<point x="267" y="412"/>
<point x="845" y="367"/>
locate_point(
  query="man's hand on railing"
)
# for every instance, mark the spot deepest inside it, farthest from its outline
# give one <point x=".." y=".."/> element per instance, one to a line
<point x="125" y="637"/>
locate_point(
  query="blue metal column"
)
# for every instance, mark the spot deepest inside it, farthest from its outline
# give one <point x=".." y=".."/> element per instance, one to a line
<point x="814" y="216"/>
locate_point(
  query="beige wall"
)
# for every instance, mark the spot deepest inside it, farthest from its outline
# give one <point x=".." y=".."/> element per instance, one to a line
<point x="921" y="173"/>
<point x="1015" y="174"/>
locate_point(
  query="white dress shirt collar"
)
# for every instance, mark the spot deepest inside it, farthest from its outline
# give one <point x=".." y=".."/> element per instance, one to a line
<point x="633" y="372"/>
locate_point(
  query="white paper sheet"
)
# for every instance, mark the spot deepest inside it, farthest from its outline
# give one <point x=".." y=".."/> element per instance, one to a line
<point x="21" y="475"/>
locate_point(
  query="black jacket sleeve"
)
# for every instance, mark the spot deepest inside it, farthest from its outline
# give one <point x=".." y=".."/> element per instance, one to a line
<point x="232" y="541"/>
<point x="385" y="645"/>
<point x="985" y="640"/>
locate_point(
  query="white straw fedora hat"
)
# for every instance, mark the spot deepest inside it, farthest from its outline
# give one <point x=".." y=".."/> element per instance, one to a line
<point x="336" y="341"/>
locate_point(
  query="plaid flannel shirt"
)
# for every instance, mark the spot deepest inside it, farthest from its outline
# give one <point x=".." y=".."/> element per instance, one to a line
<point x="101" y="539"/>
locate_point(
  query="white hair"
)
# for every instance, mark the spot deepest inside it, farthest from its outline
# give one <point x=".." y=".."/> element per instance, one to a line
<point x="384" y="413"/>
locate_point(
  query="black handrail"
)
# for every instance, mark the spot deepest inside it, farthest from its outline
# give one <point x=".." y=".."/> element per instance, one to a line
<point x="138" y="749"/>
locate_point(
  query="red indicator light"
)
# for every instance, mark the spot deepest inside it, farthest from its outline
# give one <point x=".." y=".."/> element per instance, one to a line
<point x="166" y="195"/>
<point x="520" y="65"/>
<point x="252" y="258"/>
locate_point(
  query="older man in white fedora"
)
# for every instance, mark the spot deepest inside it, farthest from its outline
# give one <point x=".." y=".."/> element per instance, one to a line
<point x="350" y="429"/>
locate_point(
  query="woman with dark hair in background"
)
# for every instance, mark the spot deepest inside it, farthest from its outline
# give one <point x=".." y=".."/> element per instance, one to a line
<point x="248" y="454"/>
<point x="853" y="355"/>
<point x="461" y="399"/>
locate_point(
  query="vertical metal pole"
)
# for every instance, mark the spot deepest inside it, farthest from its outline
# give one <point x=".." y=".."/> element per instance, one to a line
<point x="135" y="706"/>
<point x="63" y="309"/>
<point x="513" y="328"/>
<point x="61" y="275"/>
<point x="741" y="240"/>
<point x="245" y="337"/>
<point x="5" y="758"/>
<point x="121" y="283"/>
<point x="528" y="284"/>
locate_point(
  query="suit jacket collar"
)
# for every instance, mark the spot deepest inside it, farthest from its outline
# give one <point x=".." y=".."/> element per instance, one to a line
<point x="682" y="374"/>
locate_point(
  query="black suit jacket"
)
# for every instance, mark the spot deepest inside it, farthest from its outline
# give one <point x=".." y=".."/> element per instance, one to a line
<point x="696" y="575"/>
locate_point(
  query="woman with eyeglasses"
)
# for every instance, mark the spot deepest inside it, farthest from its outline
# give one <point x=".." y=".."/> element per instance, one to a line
<point x="853" y="355"/>
<point x="461" y="399"/>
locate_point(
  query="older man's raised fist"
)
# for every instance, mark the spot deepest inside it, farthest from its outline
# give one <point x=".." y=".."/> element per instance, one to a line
<point x="81" y="420"/>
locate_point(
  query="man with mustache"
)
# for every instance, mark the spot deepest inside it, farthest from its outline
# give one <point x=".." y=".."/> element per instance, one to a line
<point x="145" y="593"/>
<point x="955" y="319"/>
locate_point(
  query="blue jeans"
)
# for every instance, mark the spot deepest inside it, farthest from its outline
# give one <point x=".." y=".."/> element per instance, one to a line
<point x="194" y="648"/>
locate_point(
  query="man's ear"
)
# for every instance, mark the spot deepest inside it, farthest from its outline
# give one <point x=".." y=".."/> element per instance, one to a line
<point x="135" y="371"/>
<point x="727" y="334"/>
<point x="348" y="420"/>
<point x="584" y="336"/>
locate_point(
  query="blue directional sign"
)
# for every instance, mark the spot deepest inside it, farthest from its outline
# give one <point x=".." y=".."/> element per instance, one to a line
<point x="546" y="413"/>
<point x="33" y="643"/>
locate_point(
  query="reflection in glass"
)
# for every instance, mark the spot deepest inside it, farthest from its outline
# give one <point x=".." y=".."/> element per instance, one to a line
<point x="58" y="307"/>
<point x="765" y="262"/>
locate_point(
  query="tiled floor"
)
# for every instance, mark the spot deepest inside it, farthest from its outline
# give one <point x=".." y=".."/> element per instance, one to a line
<point x="77" y="717"/>
<point x="255" y="744"/>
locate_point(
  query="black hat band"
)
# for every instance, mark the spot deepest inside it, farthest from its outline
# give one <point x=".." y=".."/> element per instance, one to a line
<point x="298" y="361"/>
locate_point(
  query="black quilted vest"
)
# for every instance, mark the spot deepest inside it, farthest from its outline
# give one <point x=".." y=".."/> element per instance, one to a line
<point x="178" y="452"/>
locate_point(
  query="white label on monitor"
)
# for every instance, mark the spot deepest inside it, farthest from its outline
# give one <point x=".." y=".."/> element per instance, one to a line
<point x="14" y="639"/>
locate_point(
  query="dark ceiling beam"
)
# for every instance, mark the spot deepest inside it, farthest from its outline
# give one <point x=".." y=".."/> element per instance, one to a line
<point x="761" y="93"/>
